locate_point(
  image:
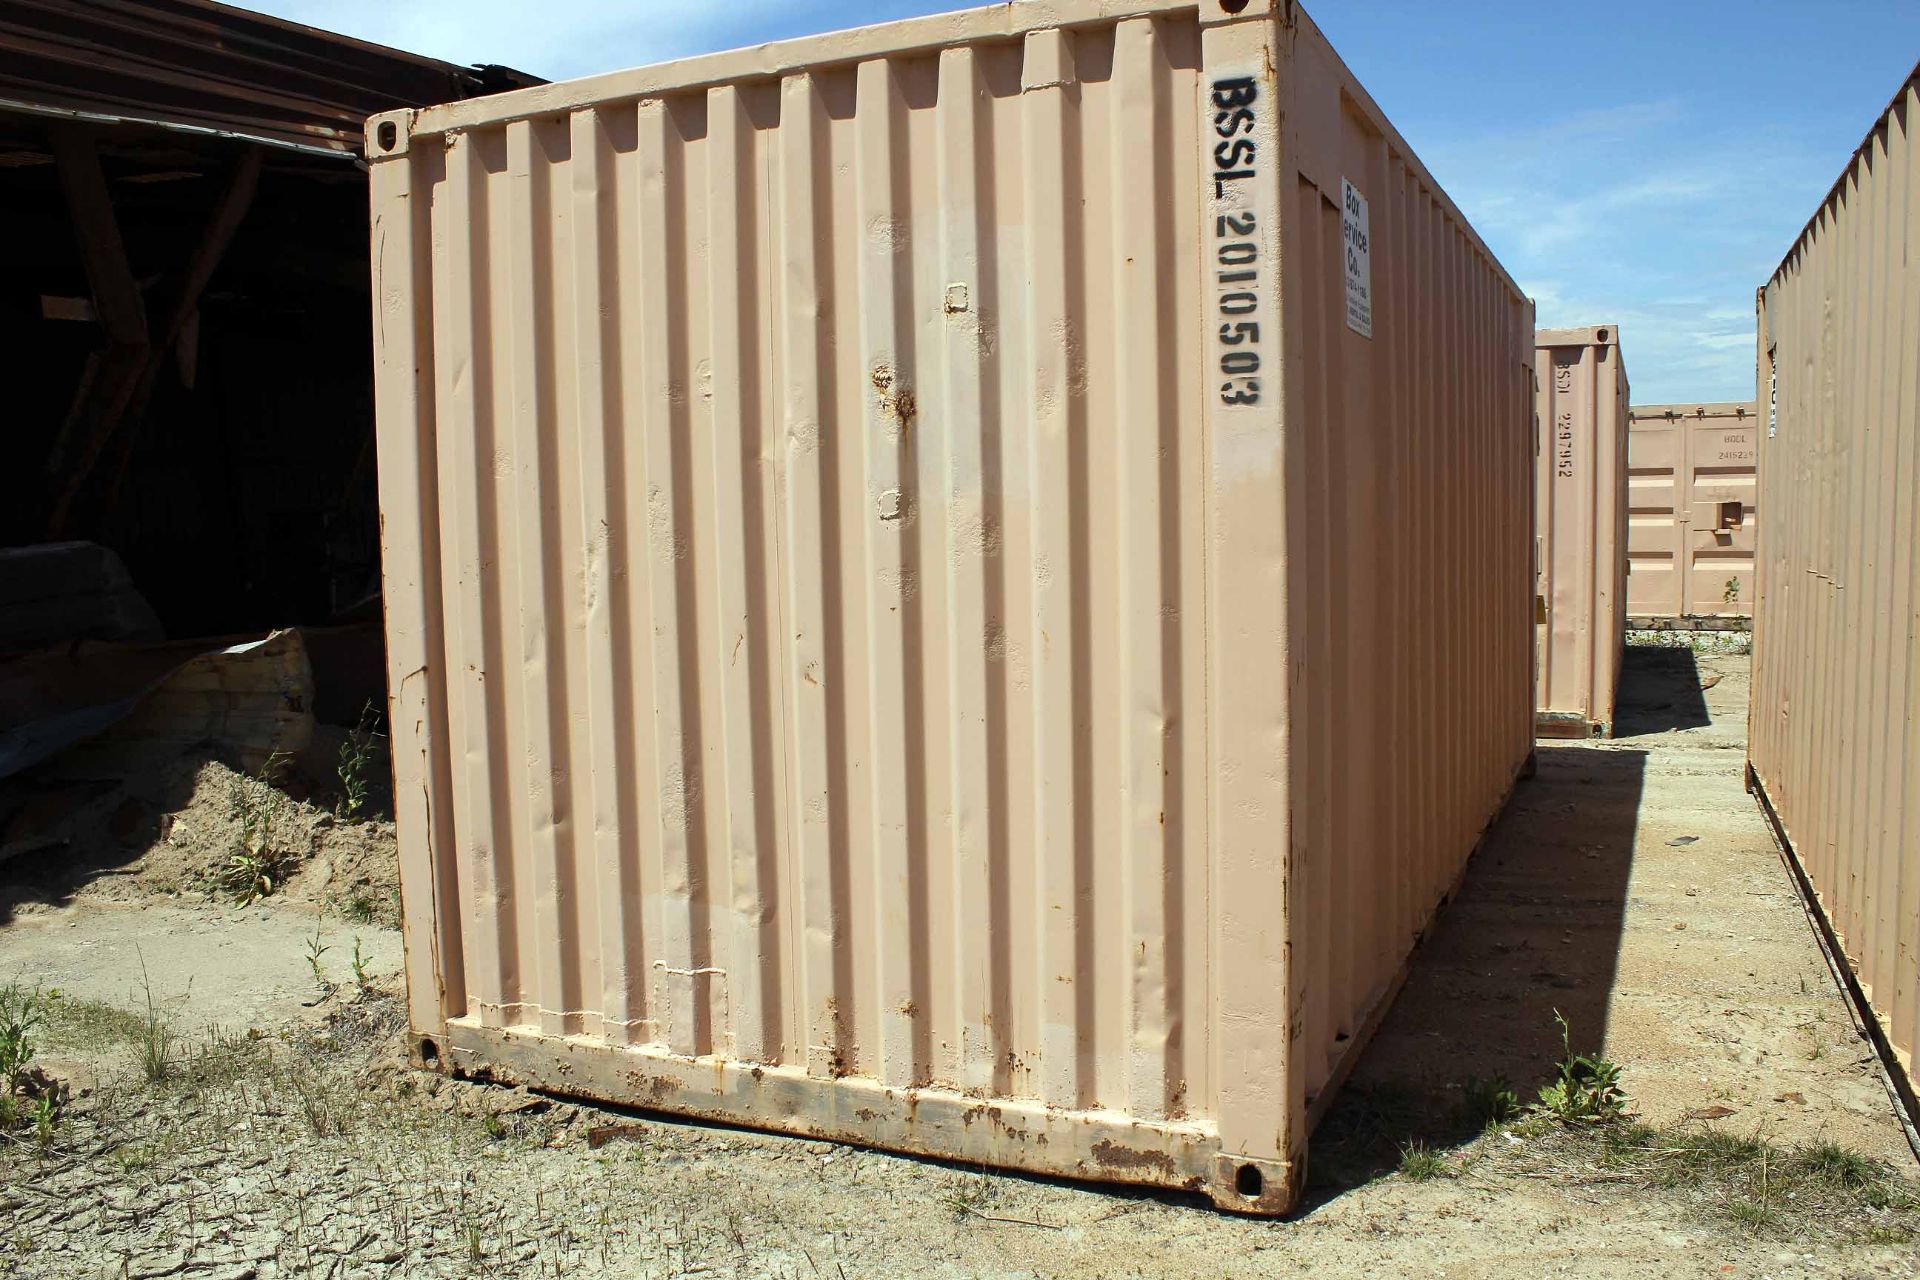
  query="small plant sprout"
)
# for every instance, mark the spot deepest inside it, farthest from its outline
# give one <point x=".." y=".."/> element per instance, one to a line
<point x="1731" y="593"/>
<point x="354" y="765"/>
<point x="257" y="866"/>
<point x="22" y="1014"/>
<point x="360" y="962"/>
<point x="155" y="1036"/>
<point x="316" y="949"/>
<point x="46" y="1116"/>
<point x="1585" y="1090"/>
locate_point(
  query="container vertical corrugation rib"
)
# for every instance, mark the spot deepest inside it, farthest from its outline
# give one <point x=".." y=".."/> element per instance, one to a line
<point x="1835" y="751"/>
<point x="918" y="615"/>
<point x="1692" y="511"/>
<point x="1581" y="527"/>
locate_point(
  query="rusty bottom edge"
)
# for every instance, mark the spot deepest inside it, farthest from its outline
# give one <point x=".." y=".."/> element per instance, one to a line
<point x="1895" y="1070"/>
<point x="1095" y="1146"/>
<point x="1015" y="1134"/>
<point x="1692" y="622"/>
<point x="1566" y="724"/>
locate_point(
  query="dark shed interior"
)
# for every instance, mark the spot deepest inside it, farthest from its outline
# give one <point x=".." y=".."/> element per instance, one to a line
<point x="184" y="300"/>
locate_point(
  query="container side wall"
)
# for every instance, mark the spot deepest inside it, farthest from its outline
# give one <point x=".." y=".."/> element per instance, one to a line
<point x="1693" y="512"/>
<point x="1581" y="526"/>
<point x="1835" y="748"/>
<point x="1409" y="501"/>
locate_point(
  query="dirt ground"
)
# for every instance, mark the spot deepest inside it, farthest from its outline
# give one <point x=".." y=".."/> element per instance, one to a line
<point x="1632" y="887"/>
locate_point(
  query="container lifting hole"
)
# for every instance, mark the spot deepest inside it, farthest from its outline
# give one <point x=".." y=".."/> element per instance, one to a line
<point x="1731" y="514"/>
<point x="1248" y="1182"/>
<point x="1600" y="334"/>
<point x="1235" y="6"/>
<point x="387" y="135"/>
<point x="429" y="1051"/>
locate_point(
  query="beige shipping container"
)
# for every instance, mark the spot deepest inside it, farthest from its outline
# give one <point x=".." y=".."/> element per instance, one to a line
<point x="1836" y="662"/>
<point x="1580" y="519"/>
<point x="1692" y="512"/>
<point x="903" y="628"/>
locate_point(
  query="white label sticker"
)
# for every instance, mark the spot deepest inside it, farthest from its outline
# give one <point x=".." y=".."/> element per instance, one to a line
<point x="1353" y="234"/>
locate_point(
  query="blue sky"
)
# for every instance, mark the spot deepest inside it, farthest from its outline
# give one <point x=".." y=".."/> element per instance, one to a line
<point x="1639" y="164"/>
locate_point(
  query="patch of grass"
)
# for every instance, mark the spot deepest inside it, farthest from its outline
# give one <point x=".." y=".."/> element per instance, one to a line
<point x="360" y="909"/>
<point x="1755" y="1215"/>
<point x="1419" y="1162"/>
<point x="77" y="1023"/>
<point x="1763" y="1187"/>
<point x="1489" y="1102"/>
<point x="969" y="1196"/>
<point x="1834" y="1165"/>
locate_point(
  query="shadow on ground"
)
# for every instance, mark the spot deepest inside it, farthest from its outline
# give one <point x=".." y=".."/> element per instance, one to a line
<point x="1659" y="690"/>
<point x="1534" y="930"/>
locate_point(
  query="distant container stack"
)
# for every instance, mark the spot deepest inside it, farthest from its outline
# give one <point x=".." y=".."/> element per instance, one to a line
<point x="1693" y="515"/>
<point x="905" y="625"/>
<point x="1580" y="521"/>
<point x="1835" y="743"/>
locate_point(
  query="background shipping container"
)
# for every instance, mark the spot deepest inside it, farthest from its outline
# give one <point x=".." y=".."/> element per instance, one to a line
<point x="1580" y="515"/>
<point x="902" y="628"/>
<point x="1836" y="662"/>
<point x="1692" y="511"/>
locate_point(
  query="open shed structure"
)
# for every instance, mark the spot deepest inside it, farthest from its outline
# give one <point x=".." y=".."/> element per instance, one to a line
<point x="185" y="298"/>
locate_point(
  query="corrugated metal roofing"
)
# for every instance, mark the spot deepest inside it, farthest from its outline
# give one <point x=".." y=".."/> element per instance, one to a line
<point x="206" y="67"/>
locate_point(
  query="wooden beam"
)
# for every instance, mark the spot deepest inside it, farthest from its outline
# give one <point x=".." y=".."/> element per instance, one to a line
<point x="236" y="197"/>
<point x="182" y="302"/>
<point x="116" y="298"/>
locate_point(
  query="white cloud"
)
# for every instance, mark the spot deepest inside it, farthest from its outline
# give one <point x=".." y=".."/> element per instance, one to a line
<point x="1645" y="215"/>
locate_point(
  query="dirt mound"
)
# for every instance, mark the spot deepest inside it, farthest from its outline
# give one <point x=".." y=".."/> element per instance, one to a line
<point x="196" y="827"/>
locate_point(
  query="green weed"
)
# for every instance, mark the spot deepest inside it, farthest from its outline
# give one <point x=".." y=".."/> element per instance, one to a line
<point x="258" y="864"/>
<point x="354" y="765"/>
<point x="1585" y="1089"/>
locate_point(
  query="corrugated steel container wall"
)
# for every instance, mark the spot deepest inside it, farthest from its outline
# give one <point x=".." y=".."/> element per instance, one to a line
<point x="1692" y="519"/>
<point x="1836" y="660"/>
<point x="1580" y="518"/>
<point x="901" y="628"/>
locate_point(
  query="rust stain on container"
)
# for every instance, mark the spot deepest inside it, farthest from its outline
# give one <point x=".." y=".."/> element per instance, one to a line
<point x="1692" y="511"/>
<point x="1581" y="528"/>
<point x="1835" y="746"/>
<point x="1085" y="716"/>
